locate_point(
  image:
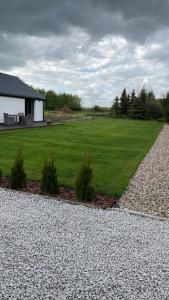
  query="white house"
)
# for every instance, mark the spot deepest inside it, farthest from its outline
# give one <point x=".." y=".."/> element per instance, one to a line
<point x="19" y="101"/>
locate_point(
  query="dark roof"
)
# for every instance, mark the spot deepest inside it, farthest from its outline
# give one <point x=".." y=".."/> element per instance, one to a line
<point x="12" y="86"/>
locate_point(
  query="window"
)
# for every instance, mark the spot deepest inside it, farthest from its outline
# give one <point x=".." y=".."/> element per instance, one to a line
<point x="29" y="107"/>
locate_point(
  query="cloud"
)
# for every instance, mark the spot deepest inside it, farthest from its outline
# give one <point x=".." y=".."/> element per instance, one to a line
<point x="132" y="19"/>
<point x="93" y="48"/>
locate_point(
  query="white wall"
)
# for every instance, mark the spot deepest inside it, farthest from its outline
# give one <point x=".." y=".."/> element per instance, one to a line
<point x="38" y="110"/>
<point x="11" y="106"/>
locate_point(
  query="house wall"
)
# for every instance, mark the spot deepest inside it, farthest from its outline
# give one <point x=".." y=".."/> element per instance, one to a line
<point x="11" y="106"/>
<point x="38" y="110"/>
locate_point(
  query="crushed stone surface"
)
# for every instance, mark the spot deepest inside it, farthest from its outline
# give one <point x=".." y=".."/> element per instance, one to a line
<point x="53" y="250"/>
<point x="148" y="190"/>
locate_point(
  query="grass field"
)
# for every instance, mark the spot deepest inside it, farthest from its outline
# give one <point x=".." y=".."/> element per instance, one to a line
<point x="117" y="147"/>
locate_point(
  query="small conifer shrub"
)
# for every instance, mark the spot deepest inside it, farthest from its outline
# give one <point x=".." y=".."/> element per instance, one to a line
<point x="18" y="176"/>
<point x="49" y="183"/>
<point x="84" y="189"/>
<point x="1" y="175"/>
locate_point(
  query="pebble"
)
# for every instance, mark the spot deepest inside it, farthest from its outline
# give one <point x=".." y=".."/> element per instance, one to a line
<point x="148" y="190"/>
<point x="54" y="250"/>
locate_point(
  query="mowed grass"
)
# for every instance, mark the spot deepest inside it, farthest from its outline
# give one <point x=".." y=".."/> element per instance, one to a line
<point x="116" y="146"/>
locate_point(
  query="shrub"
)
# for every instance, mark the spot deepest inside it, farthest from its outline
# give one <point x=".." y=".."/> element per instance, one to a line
<point x="84" y="189"/>
<point x="1" y="175"/>
<point x="49" y="182"/>
<point x="18" y="176"/>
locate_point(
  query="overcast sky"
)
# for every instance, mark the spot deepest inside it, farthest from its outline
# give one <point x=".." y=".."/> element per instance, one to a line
<point x="93" y="48"/>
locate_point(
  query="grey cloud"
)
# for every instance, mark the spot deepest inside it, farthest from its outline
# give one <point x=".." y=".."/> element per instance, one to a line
<point x="90" y="47"/>
<point x="132" y="19"/>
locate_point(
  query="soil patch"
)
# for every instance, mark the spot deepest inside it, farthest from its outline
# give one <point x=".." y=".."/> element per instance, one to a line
<point x="101" y="201"/>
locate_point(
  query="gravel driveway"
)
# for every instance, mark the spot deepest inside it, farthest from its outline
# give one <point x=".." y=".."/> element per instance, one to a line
<point x="148" y="190"/>
<point x="53" y="250"/>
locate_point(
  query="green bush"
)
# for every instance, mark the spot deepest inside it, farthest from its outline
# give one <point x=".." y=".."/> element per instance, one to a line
<point x="84" y="189"/>
<point x="18" y="176"/>
<point x="49" y="182"/>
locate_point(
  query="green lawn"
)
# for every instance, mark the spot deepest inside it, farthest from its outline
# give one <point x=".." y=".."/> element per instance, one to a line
<point x="116" y="146"/>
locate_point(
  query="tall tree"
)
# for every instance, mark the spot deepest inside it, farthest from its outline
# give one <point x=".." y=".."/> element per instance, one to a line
<point x="115" y="109"/>
<point x="133" y="96"/>
<point x="137" y="110"/>
<point x="150" y="95"/>
<point x="138" y="107"/>
<point x="124" y="105"/>
<point x="143" y="95"/>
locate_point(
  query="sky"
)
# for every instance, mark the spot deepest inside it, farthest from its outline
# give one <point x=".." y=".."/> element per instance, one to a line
<point x="92" y="48"/>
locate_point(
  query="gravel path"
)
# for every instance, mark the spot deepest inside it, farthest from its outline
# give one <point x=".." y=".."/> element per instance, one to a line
<point x="148" y="190"/>
<point x="54" y="250"/>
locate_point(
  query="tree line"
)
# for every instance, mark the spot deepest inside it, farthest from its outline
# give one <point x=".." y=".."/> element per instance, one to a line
<point x="141" y="106"/>
<point x="56" y="101"/>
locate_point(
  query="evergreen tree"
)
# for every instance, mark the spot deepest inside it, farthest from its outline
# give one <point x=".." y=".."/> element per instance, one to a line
<point x="132" y="97"/>
<point x="49" y="182"/>
<point x="116" y="107"/>
<point x="124" y="105"/>
<point x="138" y="106"/>
<point x="84" y="189"/>
<point x="137" y="110"/>
<point x="150" y="95"/>
<point x="18" y="175"/>
<point x="143" y="102"/>
<point x="165" y="105"/>
<point x="143" y="95"/>
<point x="143" y="106"/>
<point x="128" y="103"/>
<point x="154" y="109"/>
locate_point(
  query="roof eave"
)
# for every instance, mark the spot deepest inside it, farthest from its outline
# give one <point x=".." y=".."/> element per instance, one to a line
<point x="42" y="98"/>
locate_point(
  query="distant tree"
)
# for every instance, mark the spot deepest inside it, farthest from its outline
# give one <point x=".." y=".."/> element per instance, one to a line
<point x="143" y="102"/>
<point x="97" y="108"/>
<point x="124" y="102"/>
<point x="165" y="105"/>
<point x="115" y="109"/>
<point x="56" y="101"/>
<point x="141" y="106"/>
<point x="132" y="97"/>
<point x="41" y="91"/>
<point x="143" y="95"/>
<point x="154" y="109"/>
<point x="128" y="103"/>
<point x="137" y="109"/>
<point x="150" y="95"/>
